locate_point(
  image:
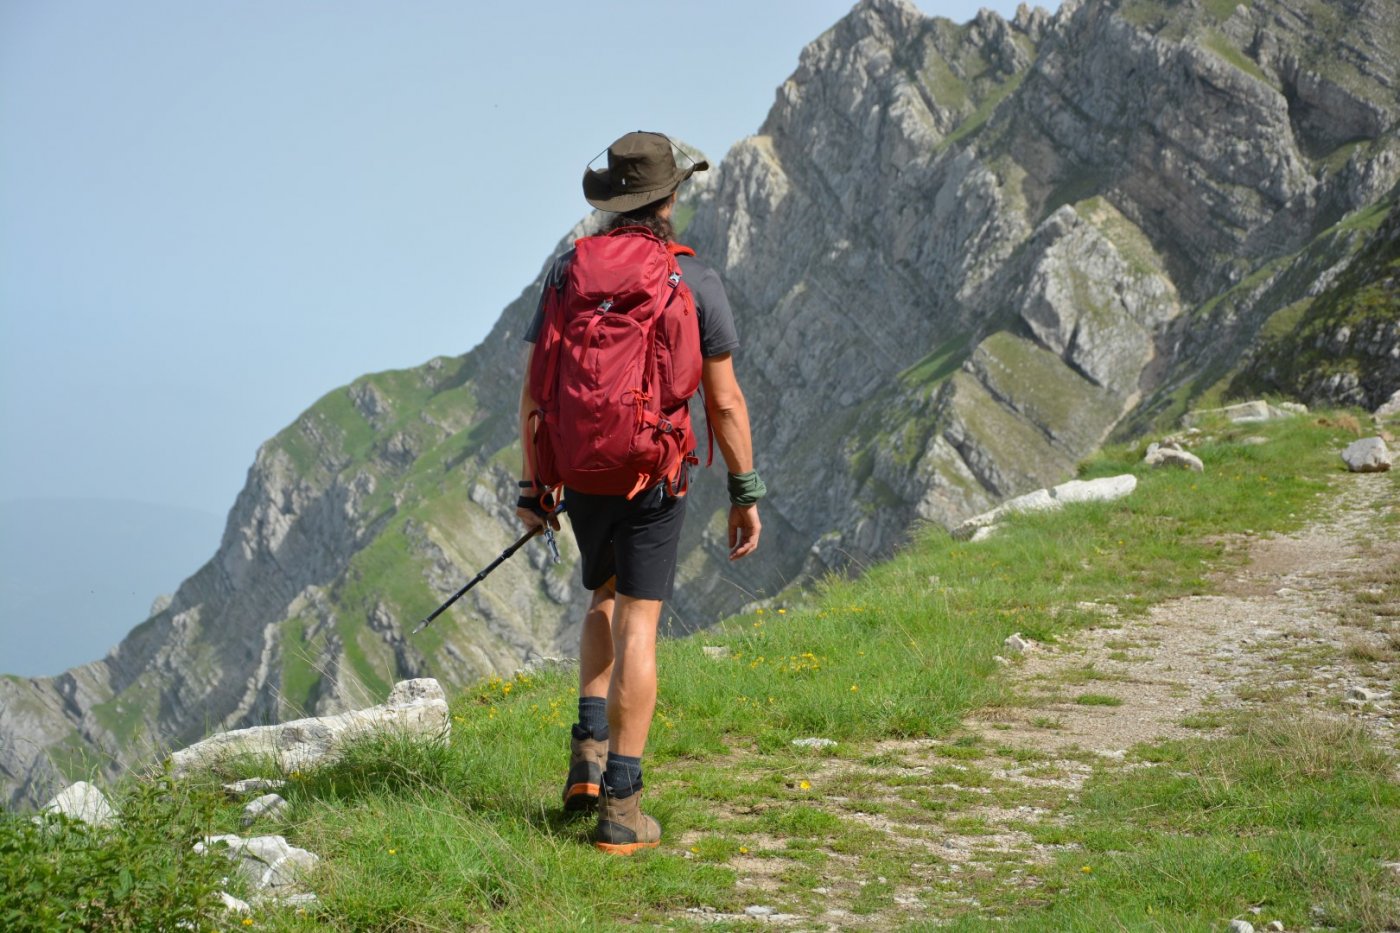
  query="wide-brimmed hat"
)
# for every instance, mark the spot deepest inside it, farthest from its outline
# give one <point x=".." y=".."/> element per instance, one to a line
<point x="641" y="169"/>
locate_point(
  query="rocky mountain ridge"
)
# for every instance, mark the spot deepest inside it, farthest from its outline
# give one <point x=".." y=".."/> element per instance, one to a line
<point x="960" y="257"/>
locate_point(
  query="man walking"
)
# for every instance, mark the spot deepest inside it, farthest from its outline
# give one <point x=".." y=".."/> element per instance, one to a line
<point x="611" y="425"/>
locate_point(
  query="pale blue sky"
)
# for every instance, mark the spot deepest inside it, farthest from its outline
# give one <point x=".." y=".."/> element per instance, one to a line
<point x="212" y="213"/>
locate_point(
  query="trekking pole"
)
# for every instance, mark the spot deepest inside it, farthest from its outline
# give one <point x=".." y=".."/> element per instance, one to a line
<point x="505" y="555"/>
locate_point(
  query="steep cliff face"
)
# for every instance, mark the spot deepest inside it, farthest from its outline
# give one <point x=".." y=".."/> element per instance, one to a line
<point x="960" y="257"/>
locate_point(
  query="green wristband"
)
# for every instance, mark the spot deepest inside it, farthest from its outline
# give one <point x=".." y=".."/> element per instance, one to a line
<point x="746" y="488"/>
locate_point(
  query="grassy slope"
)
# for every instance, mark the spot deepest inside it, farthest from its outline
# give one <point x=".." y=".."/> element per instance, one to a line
<point x="470" y="834"/>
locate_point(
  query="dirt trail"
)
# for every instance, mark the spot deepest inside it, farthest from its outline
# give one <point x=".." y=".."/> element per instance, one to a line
<point x="1303" y="619"/>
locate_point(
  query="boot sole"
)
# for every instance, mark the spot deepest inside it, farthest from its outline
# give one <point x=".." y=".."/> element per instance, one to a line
<point x="624" y="848"/>
<point x="581" y="797"/>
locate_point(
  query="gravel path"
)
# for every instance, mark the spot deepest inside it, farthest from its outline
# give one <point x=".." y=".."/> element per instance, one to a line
<point x="1304" y="619"/>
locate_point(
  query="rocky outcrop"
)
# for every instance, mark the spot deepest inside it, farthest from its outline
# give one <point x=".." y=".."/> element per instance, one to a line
<point x="415" y="709"/>
<point x="960" y="256"/>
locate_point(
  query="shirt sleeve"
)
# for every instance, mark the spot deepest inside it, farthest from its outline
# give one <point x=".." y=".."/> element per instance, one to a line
<point x="718" y="334"/>
<point x="555" y="279"/>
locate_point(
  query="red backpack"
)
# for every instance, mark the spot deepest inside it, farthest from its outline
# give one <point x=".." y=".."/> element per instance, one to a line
<point x="615" y="364"/>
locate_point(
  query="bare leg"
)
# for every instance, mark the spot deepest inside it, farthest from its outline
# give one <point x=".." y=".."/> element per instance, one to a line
<point x="595" y="643"/>
<point x="632" y="693"/>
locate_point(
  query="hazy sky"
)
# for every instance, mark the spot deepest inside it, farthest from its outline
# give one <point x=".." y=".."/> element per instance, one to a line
<point x="212" y="213"/>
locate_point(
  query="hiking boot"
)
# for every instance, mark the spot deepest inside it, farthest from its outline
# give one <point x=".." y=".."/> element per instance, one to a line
<point x="587" y="759"/>
<point x="622" y="826"/>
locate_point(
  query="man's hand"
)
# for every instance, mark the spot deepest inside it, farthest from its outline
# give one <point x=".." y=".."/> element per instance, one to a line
<point x="532" y="519"/>
<point x="533" y="515"/>
<point x="744" y="528"/>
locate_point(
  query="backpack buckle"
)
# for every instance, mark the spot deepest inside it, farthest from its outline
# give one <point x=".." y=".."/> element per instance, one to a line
<point x="605" y="306"/>
<point x="674" y="279"/>
<point x="665" y="427"/>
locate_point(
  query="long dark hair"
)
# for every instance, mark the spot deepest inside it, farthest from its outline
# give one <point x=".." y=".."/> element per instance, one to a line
<point x="645" y="216"/>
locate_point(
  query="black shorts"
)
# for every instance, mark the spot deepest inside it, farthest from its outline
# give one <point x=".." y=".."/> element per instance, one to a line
<point x="635" y="540"/>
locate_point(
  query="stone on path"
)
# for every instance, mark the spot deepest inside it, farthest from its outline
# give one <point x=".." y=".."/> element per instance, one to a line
<point x="1365" y="695"/>
<point x="1240" y="926"/>
<point x="415" y="708"/>
<point x="1368" y="455"/>
<point x="1018" y="644"/>
<point x="83" y="802"/>
<point x="813" y="743"/>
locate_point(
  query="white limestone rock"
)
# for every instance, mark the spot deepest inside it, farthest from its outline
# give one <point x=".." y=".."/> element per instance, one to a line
<point x="233" y="905"/>
<point x="415" y="708"/>
<point x="1390" y="406"/>
<point x="84" y="802"/>
<point x="814" y="743"/>
<point x="1171" y="457"/>
<point x="1368" y="455"/>
<point x="268" y="806"/>
<point x="1105" y="489"/>
<point x="254" y="785"/>
<point x="268" y="863"/>
<point x="1244" y="413"/>
<point x="1018" y="644"/>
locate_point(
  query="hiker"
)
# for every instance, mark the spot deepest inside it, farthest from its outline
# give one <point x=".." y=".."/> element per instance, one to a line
<point x="582" y="411"/>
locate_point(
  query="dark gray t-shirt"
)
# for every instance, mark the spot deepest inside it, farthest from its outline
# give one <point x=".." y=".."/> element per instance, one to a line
<point x="712" y="311"/>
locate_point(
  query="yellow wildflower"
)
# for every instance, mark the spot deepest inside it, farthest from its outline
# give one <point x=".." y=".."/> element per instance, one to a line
<point x="805" y="784"/>
<point x="1087" y="868"/>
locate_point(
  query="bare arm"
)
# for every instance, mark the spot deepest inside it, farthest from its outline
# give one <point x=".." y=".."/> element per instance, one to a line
<point x="728" y="414"/>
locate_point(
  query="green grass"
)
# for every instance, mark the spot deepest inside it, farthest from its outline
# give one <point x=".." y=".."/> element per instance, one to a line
<point x="468" y="834"/>
<point x="1286" y="815"/>
<point x="1097" y="699"/>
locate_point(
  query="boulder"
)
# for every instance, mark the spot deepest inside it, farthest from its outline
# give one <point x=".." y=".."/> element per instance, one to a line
<point x="1368" y="455"/>
<point x="1105" y="489"/>
<point x="83" y="802"/>
<point x="1172" y="457"/>
<point x="415" y="707"/>
<point x="1390" y="406"/>
<point x="267" y="863"/>
<point x="1244" y="413"/>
